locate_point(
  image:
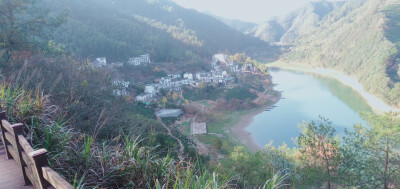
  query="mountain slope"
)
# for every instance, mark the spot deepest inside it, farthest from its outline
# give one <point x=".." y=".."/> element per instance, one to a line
<point x="299" y="22"/>
<point x="361" y="40"/>
<point x="126" y="28"/>
<point x="238" y="25"/>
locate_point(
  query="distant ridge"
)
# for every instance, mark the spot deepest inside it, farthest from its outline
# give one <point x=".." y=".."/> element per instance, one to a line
<point x="239" y="25"/>
<point x="287" y="29"/>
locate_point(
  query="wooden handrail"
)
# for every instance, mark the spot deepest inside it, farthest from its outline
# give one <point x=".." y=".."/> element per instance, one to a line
<point x="54" y="178"/>
<point x="24" y="144"/>
<point x="33" y="163"/>
<point x="7" y="126"/>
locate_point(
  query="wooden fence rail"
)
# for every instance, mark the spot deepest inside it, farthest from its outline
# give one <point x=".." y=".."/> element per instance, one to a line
<point x="33" y="163"/>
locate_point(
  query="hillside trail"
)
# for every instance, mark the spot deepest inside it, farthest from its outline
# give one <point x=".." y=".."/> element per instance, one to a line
<point x="180" y="155"/>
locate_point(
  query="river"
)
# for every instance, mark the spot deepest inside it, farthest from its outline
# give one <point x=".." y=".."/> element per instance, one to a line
<point x="305" y="97"/>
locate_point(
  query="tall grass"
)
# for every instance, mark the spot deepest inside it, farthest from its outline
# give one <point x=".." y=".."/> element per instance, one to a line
<point x="188" y="178"/>
<point x="123" y="162"/>
<point x="277" y="181"/>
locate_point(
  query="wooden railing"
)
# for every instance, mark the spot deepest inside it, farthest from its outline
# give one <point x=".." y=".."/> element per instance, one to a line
<point x="34" y="164"/>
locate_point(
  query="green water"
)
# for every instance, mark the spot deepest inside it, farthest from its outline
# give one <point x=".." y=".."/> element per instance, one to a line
<point x="305" y="98"/>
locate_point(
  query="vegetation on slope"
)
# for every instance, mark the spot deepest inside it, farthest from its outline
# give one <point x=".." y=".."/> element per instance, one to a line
<point x="357" y="39"/>
<point x="392" y="14"/>
<point x="119" y="30"/>
<point x="286" y="30"/>
<point x="239" y="25"/>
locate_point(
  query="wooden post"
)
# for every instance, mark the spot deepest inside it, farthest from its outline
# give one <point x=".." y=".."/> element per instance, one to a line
<point x="3" y="116"/>
<point x="40" y="160"/>
<point x="19" y="130"/>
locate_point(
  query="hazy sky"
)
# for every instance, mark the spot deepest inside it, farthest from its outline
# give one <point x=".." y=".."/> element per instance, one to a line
<point x="248" y="10"/>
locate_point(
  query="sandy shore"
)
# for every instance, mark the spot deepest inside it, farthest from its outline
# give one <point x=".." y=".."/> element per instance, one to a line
<point x="245" y="120"/>
<point x="374" y="102"/>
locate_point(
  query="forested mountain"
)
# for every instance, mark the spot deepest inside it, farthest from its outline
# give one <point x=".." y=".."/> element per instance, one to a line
<point x="360" y="39"/>
<point x="122" y="29"/>
<point x="239" y="25"/>
<point x="299" y="22"/>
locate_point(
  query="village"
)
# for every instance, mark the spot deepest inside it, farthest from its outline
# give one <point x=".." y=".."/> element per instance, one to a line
<point x="175" y="82"/>
<point x="220" y="74"/>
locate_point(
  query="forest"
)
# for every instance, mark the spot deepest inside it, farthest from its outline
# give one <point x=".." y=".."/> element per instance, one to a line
<point x="123" y="29"/>
<point x="359" y="39"/>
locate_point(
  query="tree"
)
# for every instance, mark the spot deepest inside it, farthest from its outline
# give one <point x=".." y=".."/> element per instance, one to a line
<point x="164" y="101"/>
<point x="384" y="143"/>
<point x="202" y="85"/>
<point x="248" y="60"/>
<point x="357" y="165"/>
<point x="319" y="150"/>
<point x="24" y="25"/>
<point x="175" y="96"/>
<point x="253" y="169"/>
<point x="371" y="154"/>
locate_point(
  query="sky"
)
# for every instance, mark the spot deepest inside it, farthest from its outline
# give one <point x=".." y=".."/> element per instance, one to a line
<point x="255" y="11"/>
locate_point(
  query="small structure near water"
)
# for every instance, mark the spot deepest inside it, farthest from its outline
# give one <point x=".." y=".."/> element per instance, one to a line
<point x="199" y="128"/>
<point x="169" y="113"/>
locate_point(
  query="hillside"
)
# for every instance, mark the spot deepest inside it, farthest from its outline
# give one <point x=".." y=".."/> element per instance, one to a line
<point x="239" y="25"/>
<point x="360" y="39"/>
<point x="122" y="29"/>
<point x="287" y="29"/>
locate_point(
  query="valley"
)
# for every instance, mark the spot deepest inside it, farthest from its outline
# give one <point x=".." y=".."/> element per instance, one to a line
<point x="176" y="94"/>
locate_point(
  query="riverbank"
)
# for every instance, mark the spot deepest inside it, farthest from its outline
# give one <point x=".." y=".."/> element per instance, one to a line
<point x="245" y="120"/>
<point x="373" y="101"/>
<point x="229" y="127"/>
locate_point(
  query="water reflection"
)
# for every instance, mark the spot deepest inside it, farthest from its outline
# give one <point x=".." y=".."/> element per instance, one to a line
<point x="306" y="96"/>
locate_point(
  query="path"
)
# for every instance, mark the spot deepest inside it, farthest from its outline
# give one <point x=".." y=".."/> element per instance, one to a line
<point x="10" y="173"/>
<point x="194" y="118"/>
<point x="182" y="148"/>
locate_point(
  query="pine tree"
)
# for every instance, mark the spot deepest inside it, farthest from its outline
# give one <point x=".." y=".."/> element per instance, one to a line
<point x="25" y="26"/>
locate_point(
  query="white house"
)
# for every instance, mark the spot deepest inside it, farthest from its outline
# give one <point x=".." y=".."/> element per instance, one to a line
<point x="99" y="62"/>
<point x="134" y="61"/>
<point x="117" y="65"/>
<point x="145" y="58"/>
<point x="142" y="59"/>
<point x="124" y="84"/>
<point x="102" y="60"/>
<point x="149" y="89"/>
<point x="120" y="92"/>
<point x="121" y="87"/>
<point x="198" y="76"/>
<point x="220" y="57"/>
<point x="188" y="76"/>
<point x="145" y="97"/>
<point x="165" y="80"/>
<point x="174" y="76"/>
<point x="202" y="75"/>
<point x="230" y="64"/>
<point x="218" y="76"/>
